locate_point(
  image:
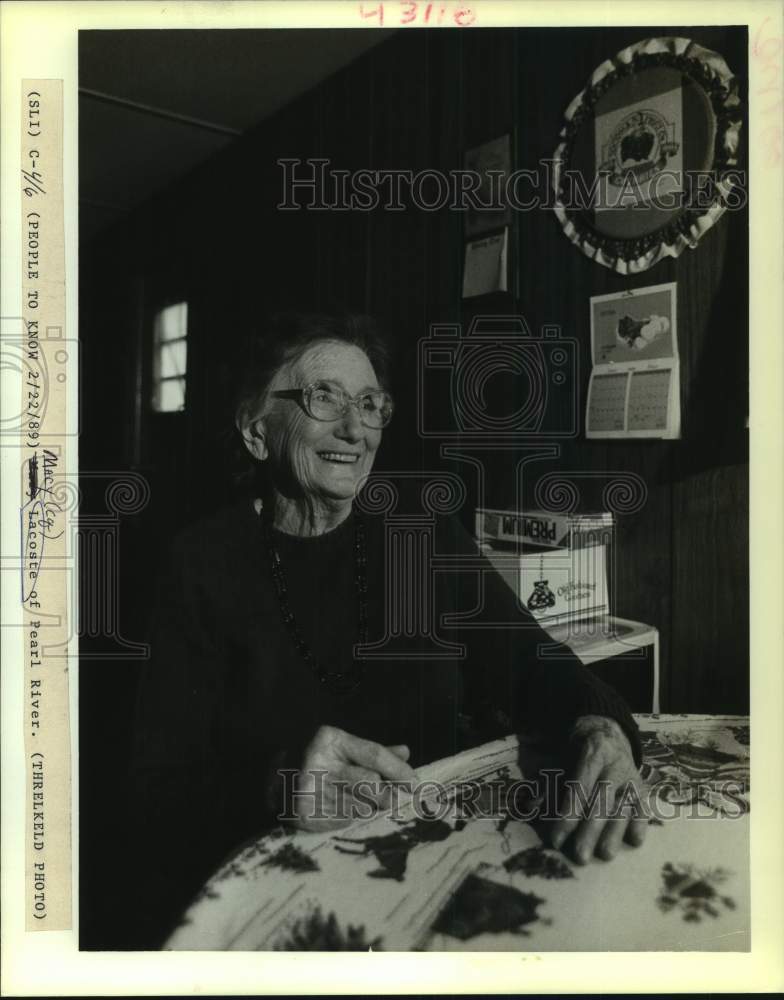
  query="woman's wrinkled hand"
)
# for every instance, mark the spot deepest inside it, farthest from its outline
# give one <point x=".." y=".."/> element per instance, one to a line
<point x="604" y="801"/>
<point x="344" y="778"/>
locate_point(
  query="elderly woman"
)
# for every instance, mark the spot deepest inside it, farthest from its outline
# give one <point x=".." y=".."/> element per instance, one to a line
<point x="254" y="673"/>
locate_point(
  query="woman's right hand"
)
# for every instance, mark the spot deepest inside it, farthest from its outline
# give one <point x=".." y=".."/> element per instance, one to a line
<point x="333" y="764"/>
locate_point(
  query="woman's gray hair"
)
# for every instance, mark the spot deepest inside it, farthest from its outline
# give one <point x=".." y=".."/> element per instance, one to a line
<point x="285" y="337"/>
<point x="288" y="335"/>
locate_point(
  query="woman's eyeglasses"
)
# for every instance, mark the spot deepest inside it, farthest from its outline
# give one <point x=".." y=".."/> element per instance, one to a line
<point x="324" y="401"/>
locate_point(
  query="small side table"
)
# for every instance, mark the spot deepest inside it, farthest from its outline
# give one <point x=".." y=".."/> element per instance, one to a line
<point x="601" y="639"/>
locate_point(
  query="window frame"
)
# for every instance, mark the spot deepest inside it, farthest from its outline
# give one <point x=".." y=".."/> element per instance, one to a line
<point x="155" y="349"/>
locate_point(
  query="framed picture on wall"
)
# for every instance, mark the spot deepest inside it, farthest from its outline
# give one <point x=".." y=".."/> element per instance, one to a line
<point x="491" y="163"/>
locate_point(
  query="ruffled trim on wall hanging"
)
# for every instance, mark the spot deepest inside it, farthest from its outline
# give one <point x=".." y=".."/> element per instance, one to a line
<point x="632" y="255"/>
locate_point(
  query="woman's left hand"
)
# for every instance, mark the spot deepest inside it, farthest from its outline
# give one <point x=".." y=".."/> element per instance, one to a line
<point x="604" y="800"/>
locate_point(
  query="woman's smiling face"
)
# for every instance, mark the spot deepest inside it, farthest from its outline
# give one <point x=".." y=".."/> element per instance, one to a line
<point x="319" y="460"/>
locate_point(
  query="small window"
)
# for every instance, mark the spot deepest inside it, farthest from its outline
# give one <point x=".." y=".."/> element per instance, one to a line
<point x="169" y="358"/>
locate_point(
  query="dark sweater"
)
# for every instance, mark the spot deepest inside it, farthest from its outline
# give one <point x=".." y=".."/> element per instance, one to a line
<point x="226" y="693"/>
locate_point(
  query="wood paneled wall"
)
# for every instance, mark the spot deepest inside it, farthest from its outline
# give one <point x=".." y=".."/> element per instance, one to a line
<point x="415" y="102"/>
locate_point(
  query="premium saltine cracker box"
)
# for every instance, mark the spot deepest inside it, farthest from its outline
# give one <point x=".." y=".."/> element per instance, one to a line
<point x="556" y="564"/>
<point x="556" y="585"/>
<point x="541" y="528"/>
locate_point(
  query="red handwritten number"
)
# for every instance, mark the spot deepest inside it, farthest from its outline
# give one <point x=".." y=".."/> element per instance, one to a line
<point x="378" y="12"/>
<point x="768" y="52"/>
<point x="758" y="46"/>
<point x="408" y="11"/>
<point x="411" y="10"/>
<point x="464" y="16"/>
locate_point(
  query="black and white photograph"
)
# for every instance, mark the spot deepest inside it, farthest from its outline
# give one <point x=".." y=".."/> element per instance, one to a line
<point x="404" y="620"/>
<point x="340" y="735"/>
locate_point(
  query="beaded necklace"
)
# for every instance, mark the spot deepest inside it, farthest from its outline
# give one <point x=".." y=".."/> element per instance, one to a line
<point x="335" y="681"/>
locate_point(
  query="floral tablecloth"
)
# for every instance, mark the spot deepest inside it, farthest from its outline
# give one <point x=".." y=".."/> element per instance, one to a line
<point x="476" y="879"/>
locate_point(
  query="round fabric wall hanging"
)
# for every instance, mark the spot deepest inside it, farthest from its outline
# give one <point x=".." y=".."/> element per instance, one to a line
<point x="648" y="154"/>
